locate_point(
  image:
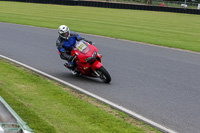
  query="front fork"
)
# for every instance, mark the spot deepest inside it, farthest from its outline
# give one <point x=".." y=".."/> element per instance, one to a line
<point x="94" y="66"/>
<point x="97" y="73"/>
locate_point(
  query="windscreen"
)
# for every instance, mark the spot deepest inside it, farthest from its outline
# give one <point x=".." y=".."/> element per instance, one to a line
<point x="82" y="47"/>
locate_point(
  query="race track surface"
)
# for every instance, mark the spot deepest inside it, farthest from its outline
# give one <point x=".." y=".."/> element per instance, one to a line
<point x="161" y="84"/>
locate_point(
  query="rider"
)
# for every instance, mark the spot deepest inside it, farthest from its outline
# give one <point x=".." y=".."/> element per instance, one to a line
<point x="65" y="42"/>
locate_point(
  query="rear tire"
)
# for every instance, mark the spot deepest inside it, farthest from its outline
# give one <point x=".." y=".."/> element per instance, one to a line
<point x="104" y="75"/>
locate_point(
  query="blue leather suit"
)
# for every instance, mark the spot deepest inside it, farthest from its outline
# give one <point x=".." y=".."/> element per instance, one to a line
<point x="65" y="46"/>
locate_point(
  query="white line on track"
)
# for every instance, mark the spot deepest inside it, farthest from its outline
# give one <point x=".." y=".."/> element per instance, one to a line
<point x="129" y="112"/>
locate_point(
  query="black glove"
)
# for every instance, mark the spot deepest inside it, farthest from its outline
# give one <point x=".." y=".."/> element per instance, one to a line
<point x="90" y="42"/>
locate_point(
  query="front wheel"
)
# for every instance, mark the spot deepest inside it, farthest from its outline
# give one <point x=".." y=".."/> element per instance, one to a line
<point x="104" y="75"/>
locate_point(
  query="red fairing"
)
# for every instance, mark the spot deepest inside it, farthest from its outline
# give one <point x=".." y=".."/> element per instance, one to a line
<point x="87" y="59"/>
<point x="96" y="65"/>
<point x="84" y="54"/>
<point x="87" y="62"/>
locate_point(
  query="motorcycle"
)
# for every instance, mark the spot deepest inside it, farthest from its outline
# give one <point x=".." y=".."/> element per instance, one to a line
<point x="88" y="61"/>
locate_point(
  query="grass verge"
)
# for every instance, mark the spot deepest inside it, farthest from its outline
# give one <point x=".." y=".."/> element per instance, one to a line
<point x="48" y="107"/>
<point x="167" y="29"/>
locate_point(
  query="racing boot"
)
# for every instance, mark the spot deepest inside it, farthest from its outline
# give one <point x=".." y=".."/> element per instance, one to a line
<point x="69" y="65"/>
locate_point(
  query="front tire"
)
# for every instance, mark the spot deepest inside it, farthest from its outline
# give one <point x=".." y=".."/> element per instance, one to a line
<point x="104" y="75"/>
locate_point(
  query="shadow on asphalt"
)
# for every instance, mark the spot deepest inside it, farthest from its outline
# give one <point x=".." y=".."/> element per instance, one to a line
<point x="67" y="76"/>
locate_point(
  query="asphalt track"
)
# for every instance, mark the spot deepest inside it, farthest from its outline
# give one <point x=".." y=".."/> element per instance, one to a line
<point x="161" y="84"/>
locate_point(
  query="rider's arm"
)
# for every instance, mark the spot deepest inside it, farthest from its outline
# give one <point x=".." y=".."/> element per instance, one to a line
<point x="90" y="42"/>
<point x="78" y="38"/>
<point x="62" y="52"/>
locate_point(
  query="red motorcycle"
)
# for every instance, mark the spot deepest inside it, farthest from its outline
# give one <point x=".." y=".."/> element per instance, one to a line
<point x="88" y="61"/>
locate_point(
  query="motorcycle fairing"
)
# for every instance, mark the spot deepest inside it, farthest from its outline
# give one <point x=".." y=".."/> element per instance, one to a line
<point x="95" y="65"/>
<point x="83" y="68"/>
<point x="86" y="68"/>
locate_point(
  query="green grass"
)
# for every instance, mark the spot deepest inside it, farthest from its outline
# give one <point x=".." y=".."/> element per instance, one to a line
<point x="166" y="29"/>
<point x="48" y="107"/>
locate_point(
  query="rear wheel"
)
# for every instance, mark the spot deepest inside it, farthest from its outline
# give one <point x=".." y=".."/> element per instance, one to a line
<point x="104" y="75"/>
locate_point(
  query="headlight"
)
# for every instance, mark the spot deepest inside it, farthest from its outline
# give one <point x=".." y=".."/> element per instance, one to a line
<point x="94" y="54"/>
<point x="89" y="59"/>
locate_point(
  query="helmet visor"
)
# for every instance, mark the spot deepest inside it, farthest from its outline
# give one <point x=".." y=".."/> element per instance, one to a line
<point x="65" y="34"/>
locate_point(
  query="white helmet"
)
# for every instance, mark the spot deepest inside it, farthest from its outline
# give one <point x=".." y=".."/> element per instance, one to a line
<point x="64" y="31"/>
